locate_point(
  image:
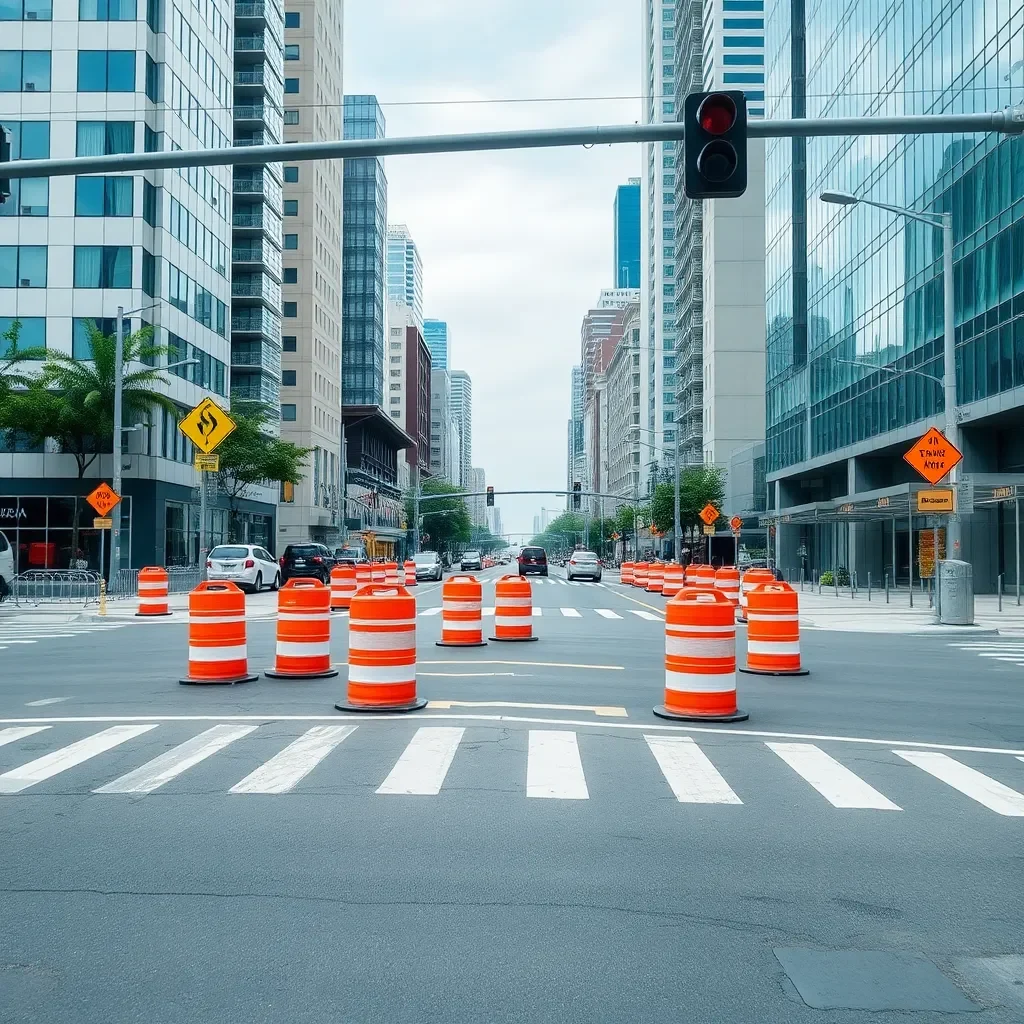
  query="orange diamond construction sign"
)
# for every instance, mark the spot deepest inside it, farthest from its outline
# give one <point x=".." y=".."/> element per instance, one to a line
<point x="933" y="456"/>
<point x="709" y="514"/>
<point x="103" y="499"/>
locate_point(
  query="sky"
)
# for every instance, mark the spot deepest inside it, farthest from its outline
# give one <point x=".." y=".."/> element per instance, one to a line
<point x="516" y="246"/>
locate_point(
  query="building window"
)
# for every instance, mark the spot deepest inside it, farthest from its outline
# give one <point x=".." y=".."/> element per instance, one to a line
<point x="288" y="413"/>
<point x="289" y="343"/>
<point x="106" y="10"/>
<point x="291" y="117"/>
<point x="668" y="107"/>
<point x="739" y="78"/>
<point x="291" y="174"/>
<point x="292" y="19"/>
<point x="291" y="209"/>
<point x="288" y="378"/>
<point x="26" y="10"/>
<point x="291" y="51"/>
<point x="744" y="42"/>
<point x="742" y="59"/>
<point x="290" y="275"/>
<point x="153" y="141"/>
<point x="150" y="274"/>
<point x="105" y="138"/>
<point x="151" y="203"/>
<point x="22" y="266"/>
<point x="30" y="197"/>
<point x="103" y="197"/>
<point x="103" y="266"/>
<point x="291" y="241"/>
<point x="291" y="85"/>
<point x="106" y="71"/>
<point x="153" y="79"/>
<point x="24" y="70"/>
<point x="290" y="310"/>
<point x="33" y="334"/>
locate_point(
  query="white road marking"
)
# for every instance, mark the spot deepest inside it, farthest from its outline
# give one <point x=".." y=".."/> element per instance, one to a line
<point x="45" y="701"/>
<point x="431" y="611"/>
<point x="288" y="767"/>
<point x="487" y="611"/>
<point x="988" y="792"/>
<point x="54" y="763"/>
<point x="553" y="767"/>
<point x="641" y="614"/>
<point x="607" y="613"/>
<point x="424" y="763"/>
<point x="834" y="781"/>
<point x="16" y="733"/>
<point x="560" y="581"/>
<point x="570" y="613"/>
<point x="172" y="763"/>
<point x="687" y="769"/>
<point x="538" y="612"/>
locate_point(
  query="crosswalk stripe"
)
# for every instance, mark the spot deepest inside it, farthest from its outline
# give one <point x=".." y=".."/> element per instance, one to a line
<point x="424" y="763"/>
<point x="553" y="767"/>
<point x="19" y="732"/>
<point x="988" y="792"/>
<point x="57" y="761"/>
<point x="834" y="781"/>
<point x="287" y="768"/>
<point x="570" y="613"/>
<point x="560" y="582"/>
<point x="607" y="613"/>
<point x="641" y="614"/>
<point x="689" y="772"/>
<point x="172" y="763"/>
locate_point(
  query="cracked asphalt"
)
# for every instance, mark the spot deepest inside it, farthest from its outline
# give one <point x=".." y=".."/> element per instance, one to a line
<point x="333" y="903"/>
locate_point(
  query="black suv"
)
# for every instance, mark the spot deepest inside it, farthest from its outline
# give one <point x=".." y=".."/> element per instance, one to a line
<point x="533" y="560"/>
<point x="307" y="561"/>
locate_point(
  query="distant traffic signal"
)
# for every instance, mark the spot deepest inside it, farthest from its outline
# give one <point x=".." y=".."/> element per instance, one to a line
<point x="576" y="488"/>
<point x="715" y="145"/>
<point x="490" y="497"/>
<point x="5" y="156"/>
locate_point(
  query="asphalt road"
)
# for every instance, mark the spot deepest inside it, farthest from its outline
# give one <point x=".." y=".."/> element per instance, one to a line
<point x="534" y="846"/>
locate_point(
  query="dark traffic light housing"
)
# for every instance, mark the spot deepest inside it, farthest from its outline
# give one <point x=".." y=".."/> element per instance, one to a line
<point x="715" y="145"/>
<point x="490" y="497"/>
<point x="576" y="488"/>
<point x="5" y="156"/>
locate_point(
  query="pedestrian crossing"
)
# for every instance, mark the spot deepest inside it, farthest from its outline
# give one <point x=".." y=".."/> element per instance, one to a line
<point x="566" y="613"/>
<point x="552" y="764"/>
<point x="995" y="648"/>
<point x="15" y="634"/>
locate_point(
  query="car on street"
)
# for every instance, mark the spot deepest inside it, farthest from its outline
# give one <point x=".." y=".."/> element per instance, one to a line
<point x="533" y="559"/>
<point x="6" y="566"/>
<point x="471" y="560"/>
<point x="349" y="554"/>
<point x="428" y="565"/>
<point x="247" y="565"/>
<point x="583" y="565"/>
<point x="308" y="561"/>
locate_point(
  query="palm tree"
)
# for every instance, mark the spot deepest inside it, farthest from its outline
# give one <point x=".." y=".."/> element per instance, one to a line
<point x="11" y="358"/>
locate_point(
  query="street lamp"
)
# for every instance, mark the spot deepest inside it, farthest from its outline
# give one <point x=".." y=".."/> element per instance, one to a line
<point x="952" y="423"/>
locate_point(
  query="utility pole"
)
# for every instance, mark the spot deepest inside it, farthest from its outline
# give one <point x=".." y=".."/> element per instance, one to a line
<point x="115" y="512"/>
<point x="676" y="525"/>
<point x="416" y="503"/>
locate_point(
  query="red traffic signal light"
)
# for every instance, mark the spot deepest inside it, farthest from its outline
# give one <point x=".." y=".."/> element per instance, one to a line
<point x="715" y="145"/>
<point x="717" y="113"/>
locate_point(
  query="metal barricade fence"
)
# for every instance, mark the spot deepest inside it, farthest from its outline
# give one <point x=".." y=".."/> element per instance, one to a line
<point x="181" y="579"/>
<point x="54" y="586"/>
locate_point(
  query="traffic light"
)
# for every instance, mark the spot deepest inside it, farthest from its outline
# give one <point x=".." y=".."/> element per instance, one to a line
<point x="715" y="145"/>
<point x="490" y="497"/>
<point x="576" y="496"/>
<point x="5" y="157"/>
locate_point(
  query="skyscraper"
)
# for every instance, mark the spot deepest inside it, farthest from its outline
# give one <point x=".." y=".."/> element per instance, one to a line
<point x="435" y="333"/>
<point x="405" y="270"/>
<point x="462" y="412"/>
<point x="626" y="248"/>
<point x="364" y="240"/>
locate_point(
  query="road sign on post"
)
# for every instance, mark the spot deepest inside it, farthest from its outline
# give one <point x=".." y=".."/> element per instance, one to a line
<point x="207" y="425"/>
<point x="933" y="456"/>
<point x="101" y="523"/>
<point x="709" y="514"/>
<point x="736" y="523"/>
<point x="207" y="463"/>
<point x="103" y="499"/>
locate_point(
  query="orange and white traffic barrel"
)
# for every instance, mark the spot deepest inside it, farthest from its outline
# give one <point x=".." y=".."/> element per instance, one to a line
<point x="462" y="622"/>
<point x="690" y="574"/>
<point x="727" y="580"/>
<point x="343" y="586"/>
<point x="153" y="588"/>
<point x="379" y="572"/>
<point x="640" y="572"/>
<point x="700" y="659"/>
<point x="364" y="574"/>
<point x="303" y="631"/>
<point x="748" y="581"/>
<point x="217" y="652"/>
<point x="410" y="573"/>
<point x="674" y="581"/>
<point x="656" y="577"/>
<point x="704" y="576"/>
<point x="773" y="631"/>
<point x="513" y="609"/>
<point x="394" y="574"/>
<point x="382" y="651"/>
<point x="626" y="571"/>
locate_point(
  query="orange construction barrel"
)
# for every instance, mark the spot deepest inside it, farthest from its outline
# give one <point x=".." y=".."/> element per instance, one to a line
<point x="462" y="623"/>
<point x="640" y="573"/>
<point x="513" y="609"/>
<point x="153" y="591"/>
<point x="364" y="574"/>
<point x="655" y="577"/>
<point x="727" y="580"/>
<point x="343" y="586"/>
<point x="217" y="652"/>
<point x="410" y="573"/>
<point x="303" y="631"/>
<point x="674" y="580"/>
<point x="748" y="581"/>
<point x="626" y="570"/>
<point x="773" y="631"/>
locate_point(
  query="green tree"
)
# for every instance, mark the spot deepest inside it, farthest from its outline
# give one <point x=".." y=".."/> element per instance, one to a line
<point x="250" y="455"/>
<point x="445" y="521"/>
<point x="698" y="486"/>
<point x="12" y="358"/>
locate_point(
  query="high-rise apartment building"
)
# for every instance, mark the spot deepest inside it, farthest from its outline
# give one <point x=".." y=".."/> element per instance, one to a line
<point x="363" y="256"/>
<point x="441" y="425"/>
<point x="311" y="290"/>
<point x="855" y="317"/>
<point x="477" y="506"/>
<point x="145" y="77"/>
<point x="417" y="400"/>
<point x="576" y="459"/>
<point x="435" y="333"/>
<point x="405" y="270"/>
<point x="462" y="411"/>
<point x="624" y="440"/>
<point x="626" y="244"/>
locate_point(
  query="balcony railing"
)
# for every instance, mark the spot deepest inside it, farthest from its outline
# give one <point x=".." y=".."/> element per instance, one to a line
<point x="253" y="43"/>
<point x="249" y="112"/>
<point x="255" y="139"/>
<point x="247" y="220"/>
<point x="248" y="186"/>
<point x="249" y="77"/>
<point x="250" y="10"/>
<point x="258" y="321"/>
<point x="248" y="254"/>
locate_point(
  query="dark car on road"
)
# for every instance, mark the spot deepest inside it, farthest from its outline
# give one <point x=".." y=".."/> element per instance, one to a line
<point x="533" y="560"/>
<point x="307" y="561"/>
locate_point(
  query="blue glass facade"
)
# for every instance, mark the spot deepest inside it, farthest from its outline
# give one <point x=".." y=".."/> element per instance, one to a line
<point x="364" y="241"/>
<point x="435" y="334"/>
<point x="627" y="235"/>
<point x="859" y="284"/>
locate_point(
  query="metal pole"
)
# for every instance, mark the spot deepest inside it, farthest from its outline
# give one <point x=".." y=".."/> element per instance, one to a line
<point x="677" y="528"/>
<point x="202" y="524"/>
<point x="910" y="553"/>
<point x="954" y="549"/>
<point x="103" y="551"/>
<point x="999" y="590"/>
<point x="1016" y="546"/>
<point x="886" y="588"/>
<point x="895" y="574"/>
<point x="869" y="586"/>
<point x="115" y="512"/>
<point x="416" y="504"/>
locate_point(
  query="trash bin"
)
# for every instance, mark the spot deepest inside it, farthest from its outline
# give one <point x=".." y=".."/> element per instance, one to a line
<point x="956" y="593"/>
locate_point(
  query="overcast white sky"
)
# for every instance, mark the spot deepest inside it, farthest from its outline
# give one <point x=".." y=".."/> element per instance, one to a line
<point x="515" y="246"/>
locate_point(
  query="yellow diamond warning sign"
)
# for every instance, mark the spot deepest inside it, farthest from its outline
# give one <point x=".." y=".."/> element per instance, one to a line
<point x="207" y="425"/>
<point x="933" y="456"/>
<point x="709" y="514"/>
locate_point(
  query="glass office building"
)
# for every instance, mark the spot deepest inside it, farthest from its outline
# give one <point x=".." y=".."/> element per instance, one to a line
<point x="626" y="246"/>
<point x="854" y="304"/>
<point x="364" y="241"/>
<point x="435" y="334"/>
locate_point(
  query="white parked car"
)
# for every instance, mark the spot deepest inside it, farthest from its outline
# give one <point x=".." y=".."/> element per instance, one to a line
<point x="248" y="565"/>
<point x="6" y="566"/>
<point x="583" y="563"/>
